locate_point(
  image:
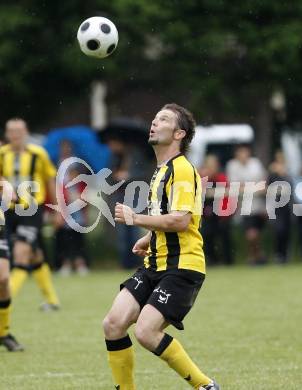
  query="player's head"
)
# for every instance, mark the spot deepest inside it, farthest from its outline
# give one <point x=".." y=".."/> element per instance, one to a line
<point x="16" y="131"/>
<point x="172" y="124"/>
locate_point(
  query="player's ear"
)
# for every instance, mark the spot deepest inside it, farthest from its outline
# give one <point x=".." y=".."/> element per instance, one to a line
<point x="179" y="134"/>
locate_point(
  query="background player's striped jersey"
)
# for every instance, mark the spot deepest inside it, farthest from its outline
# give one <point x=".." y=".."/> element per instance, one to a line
<point x="32" y="164"/>
<point x="176" y="186"/>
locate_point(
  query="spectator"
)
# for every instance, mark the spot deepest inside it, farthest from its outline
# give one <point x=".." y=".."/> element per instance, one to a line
<point x="216" y="229"/>
<point x="65" y="151"/>
<point x="129" y="164"/>
<point x="70" y="247"/>
<point x="282" y="223"/>
<point x="244" y="168"/>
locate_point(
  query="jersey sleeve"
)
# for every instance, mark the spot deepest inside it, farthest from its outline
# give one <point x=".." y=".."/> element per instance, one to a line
<point x="183" y="188"/>
<point x="2" y="152"/>
<point x="48" y="167"/>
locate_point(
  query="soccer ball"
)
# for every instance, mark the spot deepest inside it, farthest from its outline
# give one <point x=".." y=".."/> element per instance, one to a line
<point x="98" y="37"/>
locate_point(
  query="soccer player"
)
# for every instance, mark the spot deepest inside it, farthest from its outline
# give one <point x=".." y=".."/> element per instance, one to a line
<point x="163" y="291"/>
<point x="21" y="161"/>
<point x="6" y="339"/>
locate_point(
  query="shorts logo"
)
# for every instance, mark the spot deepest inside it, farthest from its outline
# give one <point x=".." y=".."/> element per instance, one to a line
<point x="138" y="281"/>
<point x="27" y="232"/>
<point x="163" y="295"/>
<point x="3" y="245"/>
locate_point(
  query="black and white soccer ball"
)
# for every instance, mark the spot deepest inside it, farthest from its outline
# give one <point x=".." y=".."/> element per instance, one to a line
<point x="98" y="37"/>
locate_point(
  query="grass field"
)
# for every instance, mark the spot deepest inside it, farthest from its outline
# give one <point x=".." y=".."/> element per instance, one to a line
<point x="244" y="330"/>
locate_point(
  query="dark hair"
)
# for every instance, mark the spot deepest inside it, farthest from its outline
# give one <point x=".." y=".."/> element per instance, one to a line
<point x="185" y="121"/>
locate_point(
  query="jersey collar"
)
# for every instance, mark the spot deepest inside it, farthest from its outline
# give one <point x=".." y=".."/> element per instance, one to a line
<point x="169" y="160"/>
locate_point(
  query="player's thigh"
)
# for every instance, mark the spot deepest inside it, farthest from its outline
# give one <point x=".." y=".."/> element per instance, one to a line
<point x="4" y="247"/>
<point x="22" y="252"/>
<point x="4" y="270"/>
<point x="124" y="310"/>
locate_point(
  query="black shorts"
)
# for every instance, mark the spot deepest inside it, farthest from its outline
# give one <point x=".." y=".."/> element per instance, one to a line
<point x="172" y="292"/>
<point x="24" y="228"/>
<point x="4" y="249"/>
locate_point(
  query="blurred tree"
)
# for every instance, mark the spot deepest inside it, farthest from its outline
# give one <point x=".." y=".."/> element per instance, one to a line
<point x="224" y="59"/>
<point x="233" y="55"/>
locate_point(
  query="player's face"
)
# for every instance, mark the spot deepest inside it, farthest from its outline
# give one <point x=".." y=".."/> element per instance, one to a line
<point x="16" y="132"/>
<point x="162" y="128"/>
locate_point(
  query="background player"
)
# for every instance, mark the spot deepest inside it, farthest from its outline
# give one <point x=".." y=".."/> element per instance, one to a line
<point x="20" y="162"/>
<point x="163" y="291"/>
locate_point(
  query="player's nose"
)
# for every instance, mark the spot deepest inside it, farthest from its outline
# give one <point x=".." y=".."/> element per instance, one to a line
<point x="154" y="122"/>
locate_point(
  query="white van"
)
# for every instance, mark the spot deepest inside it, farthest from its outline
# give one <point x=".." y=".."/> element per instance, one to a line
<point x="219" y="140"/>
<point x="291" y="143"/>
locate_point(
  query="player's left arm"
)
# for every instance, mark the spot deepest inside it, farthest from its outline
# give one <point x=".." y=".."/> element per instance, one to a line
<point x="50" y="181"/>
<point x="49" y="173"/>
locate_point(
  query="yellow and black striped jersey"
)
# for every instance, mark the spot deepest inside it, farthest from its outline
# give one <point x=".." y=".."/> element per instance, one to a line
<point x="176" y="186"/>
<point x="31" y="164"/>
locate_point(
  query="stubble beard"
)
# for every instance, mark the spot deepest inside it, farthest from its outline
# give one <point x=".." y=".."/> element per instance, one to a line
<point x="153" y="141"/>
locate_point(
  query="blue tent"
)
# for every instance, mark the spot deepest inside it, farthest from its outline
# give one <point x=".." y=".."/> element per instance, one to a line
<point x="85" y="143"/>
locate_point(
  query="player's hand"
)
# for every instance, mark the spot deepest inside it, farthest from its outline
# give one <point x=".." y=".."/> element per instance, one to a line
<point x="7" y="192"/>
<point x="124" y="214"/>
<point x="141" y="246"/>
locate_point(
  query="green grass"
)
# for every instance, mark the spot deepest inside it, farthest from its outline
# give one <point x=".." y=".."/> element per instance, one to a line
<point x="244" y="330"/>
